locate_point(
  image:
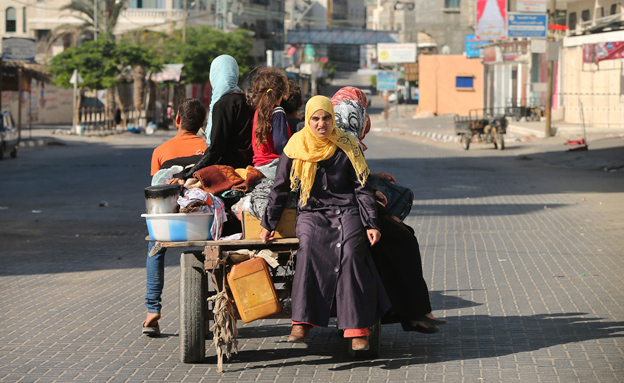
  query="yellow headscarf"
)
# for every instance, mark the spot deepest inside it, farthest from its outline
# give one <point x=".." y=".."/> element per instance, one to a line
<point x="306" y="150"/>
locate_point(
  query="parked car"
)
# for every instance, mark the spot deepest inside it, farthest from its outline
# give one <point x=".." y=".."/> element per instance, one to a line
<point x="400" y="92"/>
<point x="9" y="136"/>
<point x="369" y="96"/>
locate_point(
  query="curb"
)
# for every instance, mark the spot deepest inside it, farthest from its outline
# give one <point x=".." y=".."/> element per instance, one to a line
<point x="34" y="142"/>
<point x="432" y="135"/>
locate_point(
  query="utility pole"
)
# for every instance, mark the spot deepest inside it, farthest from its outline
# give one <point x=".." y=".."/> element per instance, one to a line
<point x="95" y="18"/>
<point x="549" y="78"/>
<point x="184" y="23"/>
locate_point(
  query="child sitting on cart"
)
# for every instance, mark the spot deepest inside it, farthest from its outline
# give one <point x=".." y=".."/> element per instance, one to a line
<point x="336" y="224"/>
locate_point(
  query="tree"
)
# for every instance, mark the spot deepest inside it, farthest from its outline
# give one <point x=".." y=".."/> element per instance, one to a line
<point x="100" y="63"/>
<point x="107" y="15"/>
<point x="204" y="44"/>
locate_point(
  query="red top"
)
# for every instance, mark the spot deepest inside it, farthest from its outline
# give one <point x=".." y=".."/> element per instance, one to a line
<point x="274" y="145"/>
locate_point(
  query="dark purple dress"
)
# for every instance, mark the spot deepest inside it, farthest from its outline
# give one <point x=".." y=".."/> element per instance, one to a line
<point x="334" y="265"/>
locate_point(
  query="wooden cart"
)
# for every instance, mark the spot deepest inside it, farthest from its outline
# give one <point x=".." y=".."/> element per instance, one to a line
<point x="202" y="278"/>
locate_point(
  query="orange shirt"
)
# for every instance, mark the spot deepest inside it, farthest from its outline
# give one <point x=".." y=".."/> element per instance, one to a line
<point x="183" y="145"/>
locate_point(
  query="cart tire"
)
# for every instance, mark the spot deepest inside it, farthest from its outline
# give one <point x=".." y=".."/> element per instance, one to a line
<point x="465" y="142"/>
<point x="193" y="307"/>
<point x="374" y="340"/>
<point x="499" y="142"/>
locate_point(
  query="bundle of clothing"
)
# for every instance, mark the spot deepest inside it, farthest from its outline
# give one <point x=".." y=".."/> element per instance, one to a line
<point x="221" y="190"/>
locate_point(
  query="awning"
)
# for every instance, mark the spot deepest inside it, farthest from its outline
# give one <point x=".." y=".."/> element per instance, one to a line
<point x="170" y="72"/>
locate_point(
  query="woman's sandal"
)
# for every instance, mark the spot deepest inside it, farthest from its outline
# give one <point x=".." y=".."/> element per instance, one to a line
<point x="415" y="326"/>
<point x="431" y="321"/>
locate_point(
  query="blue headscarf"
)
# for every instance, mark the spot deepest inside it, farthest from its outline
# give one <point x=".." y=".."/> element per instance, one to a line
<point x="223" y="79"/>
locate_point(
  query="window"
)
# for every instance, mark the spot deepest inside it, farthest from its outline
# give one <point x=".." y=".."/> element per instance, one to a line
<point x="585" y="15"/>
<point x="11" y="16"/>
<point x="600" y="12"/>
<point x="451" y="4"/>
<point x="572" y="21"/>
<point x="464" y="82"/>
<point x="24" y="19"/>
<point x="614" y="9"/>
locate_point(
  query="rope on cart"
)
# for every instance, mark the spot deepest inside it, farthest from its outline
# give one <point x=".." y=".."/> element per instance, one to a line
<point x="224" y="328"/>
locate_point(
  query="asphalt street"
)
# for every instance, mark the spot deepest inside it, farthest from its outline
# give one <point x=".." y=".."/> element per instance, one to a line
<point x="522" y="251"/>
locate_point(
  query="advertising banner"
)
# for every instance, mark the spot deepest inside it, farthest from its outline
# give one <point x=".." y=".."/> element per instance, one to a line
<point x="538" y="6"/>
<point x="396" y="53"/>
<point x="386" y="80"/>
<point x="474" y="47"/>
<point x="594" y="53"/>
<point x="491" y="19"/>
<point x="527" y="25"/>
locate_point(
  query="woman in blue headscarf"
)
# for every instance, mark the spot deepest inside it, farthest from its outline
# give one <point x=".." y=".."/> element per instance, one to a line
<point x="230" y="120"/>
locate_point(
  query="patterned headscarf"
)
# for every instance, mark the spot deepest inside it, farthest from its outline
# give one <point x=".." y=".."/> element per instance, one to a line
<point x="224" y="80"/>
<point x="353" y="94"/>
<point x="306" y="150"/>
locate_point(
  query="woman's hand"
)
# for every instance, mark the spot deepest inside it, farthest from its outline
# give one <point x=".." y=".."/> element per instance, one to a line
<point x="266" y="235"/>
<point x="384" y="176"/>
<point x="381" y="198"/>
<point x="373" y="236"/>
<point x="174" y="181"/>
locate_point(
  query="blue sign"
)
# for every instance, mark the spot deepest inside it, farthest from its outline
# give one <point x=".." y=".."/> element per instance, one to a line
<point x="474" y="46"/>
<point x="386" y="80"/>
<point x="527" y="25"/>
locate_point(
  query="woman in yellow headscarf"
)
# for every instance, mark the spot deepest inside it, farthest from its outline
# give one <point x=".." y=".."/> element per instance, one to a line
<point x="336" y="225"/>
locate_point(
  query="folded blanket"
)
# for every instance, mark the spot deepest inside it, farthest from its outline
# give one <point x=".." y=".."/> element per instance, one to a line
<point x="250" y="176"/>
<point x="218" y="178"/>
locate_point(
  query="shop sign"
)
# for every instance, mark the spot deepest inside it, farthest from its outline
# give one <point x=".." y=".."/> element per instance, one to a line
<point x="18" y="49"/>
<point x="396" y="53"/>
<point x="527" y="25"/>
<point x="474" y="47"/>
<point x="491" y="19"/>
<point x="538" y="6"/>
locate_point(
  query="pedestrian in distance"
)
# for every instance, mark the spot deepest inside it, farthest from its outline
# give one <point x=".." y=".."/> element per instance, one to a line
<point x="336" y="226"/>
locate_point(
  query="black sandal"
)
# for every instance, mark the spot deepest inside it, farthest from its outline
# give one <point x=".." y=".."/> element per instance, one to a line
<point x="151" y="331"/>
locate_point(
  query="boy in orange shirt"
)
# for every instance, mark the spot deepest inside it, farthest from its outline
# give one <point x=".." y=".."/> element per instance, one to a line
<point x="190" y="118"/>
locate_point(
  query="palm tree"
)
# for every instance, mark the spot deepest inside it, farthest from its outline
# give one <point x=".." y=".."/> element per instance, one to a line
<point x="84" y="10"/>
<point x="105" y="18"/>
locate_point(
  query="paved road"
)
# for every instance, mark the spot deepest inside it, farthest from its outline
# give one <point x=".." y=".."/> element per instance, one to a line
<point x="522" y="252"/>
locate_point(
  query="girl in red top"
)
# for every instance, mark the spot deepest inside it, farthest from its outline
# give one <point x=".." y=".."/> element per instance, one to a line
<point x="270" y="128"/>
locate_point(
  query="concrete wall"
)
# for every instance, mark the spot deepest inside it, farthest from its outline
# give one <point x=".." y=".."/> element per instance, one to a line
<point x="597" y="88"/>
<point x="438" y="93"/>
<point x="43" y="104"/>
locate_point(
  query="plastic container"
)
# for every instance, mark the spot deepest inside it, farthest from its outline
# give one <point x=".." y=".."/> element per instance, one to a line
<point x="179" y="227"/>
<point x="253" y="290"/>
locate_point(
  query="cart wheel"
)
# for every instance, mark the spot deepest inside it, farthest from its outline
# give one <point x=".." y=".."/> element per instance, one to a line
<point x="193" y="307"/>
<point x="499" y="142"/>
<point x="374" y="339"/>
<point x="465" y="142"/>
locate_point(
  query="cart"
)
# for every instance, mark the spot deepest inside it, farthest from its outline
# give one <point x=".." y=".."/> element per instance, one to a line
<point x="530" y="113"/>
<point x="203" y="278"/>
<point x="482" y="125"/>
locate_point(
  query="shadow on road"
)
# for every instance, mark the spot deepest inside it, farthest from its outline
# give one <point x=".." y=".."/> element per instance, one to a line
<point x="463" y="338"/>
